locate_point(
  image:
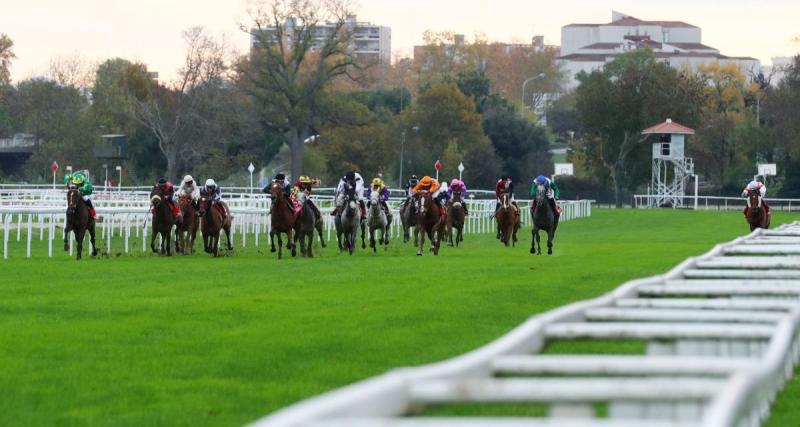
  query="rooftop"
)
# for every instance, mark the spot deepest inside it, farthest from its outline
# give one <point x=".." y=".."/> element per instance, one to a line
<point x="630" y="21"/>
<point x="669" y="127"/>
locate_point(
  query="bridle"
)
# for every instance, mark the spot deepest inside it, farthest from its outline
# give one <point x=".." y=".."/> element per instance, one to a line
<point x="752" y="193"/>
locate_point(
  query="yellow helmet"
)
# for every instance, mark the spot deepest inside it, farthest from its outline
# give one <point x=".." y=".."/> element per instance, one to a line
<point x="377" y="182"/>
<point x="77" y="179"/>
<point x="304" y="179"/>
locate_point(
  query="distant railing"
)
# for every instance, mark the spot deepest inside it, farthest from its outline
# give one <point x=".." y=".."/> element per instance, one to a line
<point x="720" y="203"/>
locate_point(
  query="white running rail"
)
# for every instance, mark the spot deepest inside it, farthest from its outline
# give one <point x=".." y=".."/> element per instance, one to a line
<point x="720" y="343"/>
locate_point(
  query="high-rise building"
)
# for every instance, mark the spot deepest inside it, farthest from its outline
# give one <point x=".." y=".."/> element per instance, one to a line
<point x="588" y="47"/>
<point x="369" y="41"/>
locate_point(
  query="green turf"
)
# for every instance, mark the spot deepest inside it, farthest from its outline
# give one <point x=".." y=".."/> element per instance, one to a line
<point x="147" y="340"/>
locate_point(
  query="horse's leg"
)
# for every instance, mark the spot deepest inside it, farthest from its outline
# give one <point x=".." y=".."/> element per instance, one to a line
<point x="372" y="237"/>
<point x="153" y="240"/>
<point x="538" y="243"/>
<point x="168" y="241"/>
<point x="67" y="230"/>
<point x="228" y="237"/>
<point x="91" y="238"/>
<point x="280" y="245"/>
<point x="318" y="226"/>
<point x="272" y="240"/>
<point x="289" y="239"/>
<point x="79" y="235"/>
<point x="215" y="243"/>
<point x="550" y="241"/>
<point x="206" y="241"/>
<point x="533" y="239"/>
<point x="363" y="224"/>
<point x="420" y="235"/>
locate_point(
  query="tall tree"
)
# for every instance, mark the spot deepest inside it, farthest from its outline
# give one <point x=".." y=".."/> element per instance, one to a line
<point x="293" y="63"/>
<point x="632" y="92"/>
<point x="6" y="56"/>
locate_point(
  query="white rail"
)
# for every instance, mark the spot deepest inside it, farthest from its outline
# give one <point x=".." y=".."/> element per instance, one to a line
<point x="715" y="203"/>
<point x="719" y="346"/>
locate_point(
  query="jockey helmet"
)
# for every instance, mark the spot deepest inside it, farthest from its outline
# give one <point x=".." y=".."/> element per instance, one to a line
<point x="414" y="178"/>
<point x="280" y="177"/>
<point x="188" y="179"/>
<point x="455" y="183"/>
<point x="377" y="182"/>
<point x="77" y="179"/>
<point x="541" y="179"/>
<point x="304" y="179"/>
<point x="162" y="181"/>
<point x="760" y="179"/>
<point x="210" y="183"/>
<point x="350" y="176"/>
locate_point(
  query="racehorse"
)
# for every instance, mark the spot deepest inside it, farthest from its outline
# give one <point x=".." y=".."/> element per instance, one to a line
<point x="213" y="222"/>
<point x="187" y="229"/>
<point x="507" y="219"/>
<point x="78" y="222"/>
<point x="408" y="218"/>
<point x="282" y="219"/>
<point x="377" y="220"/>
<point x="163" y="220"/>
<point x="455" y="218"/>
<point x="348" y="219"/>
<point x="429" y="221"/>
<point x="757" y="215"/>
<point x="543" y="219"/>
<point x="305" y="226"/>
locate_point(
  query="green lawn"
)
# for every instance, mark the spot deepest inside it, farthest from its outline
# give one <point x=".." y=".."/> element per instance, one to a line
<point x="148" y="340"/>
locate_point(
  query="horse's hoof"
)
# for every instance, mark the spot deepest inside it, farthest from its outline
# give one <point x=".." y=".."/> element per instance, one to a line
<point x="294" y="252"/>
<point x="419" y="253"/>
<point x="272" y="250"/>
<point x="533" y="251"/>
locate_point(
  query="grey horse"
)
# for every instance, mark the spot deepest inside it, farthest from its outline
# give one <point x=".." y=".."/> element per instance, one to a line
<point x="348" y="219"/>
<point x="543" y="219"/>
<point x="377" y="220"/>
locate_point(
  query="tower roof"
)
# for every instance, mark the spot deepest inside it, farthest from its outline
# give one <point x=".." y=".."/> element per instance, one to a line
<point x="669" y="127"/>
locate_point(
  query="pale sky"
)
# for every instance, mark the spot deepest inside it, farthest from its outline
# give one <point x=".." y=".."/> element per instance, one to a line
<point x="150" y="30"/>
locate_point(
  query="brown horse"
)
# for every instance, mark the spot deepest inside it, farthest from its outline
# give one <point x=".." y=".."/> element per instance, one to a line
<point x="163" y="220"/>
<point x="429" y="221"/>
<point x="282" y="219"/>
<point x="507" y="219"/>
<point x="78" y="222"/>
<point x="757" y="215"/>
<point x="305" y="226"/>
<point x="213" y="221"/>
<point x="187" y="229"/>
<point x="455" y="218"/>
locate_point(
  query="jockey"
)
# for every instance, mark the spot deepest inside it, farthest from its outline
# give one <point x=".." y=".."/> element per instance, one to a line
<point x="85" y="188"/>
<point x="551" y="192"/>
<point x="432" y="186"/>
<point x="757" y="184"/>
<point x="168" y="190"/>
<point x="379" y="186"/>
<point x="188" y="189"/>
<point x="213" y="190"/>
<point x="305" y="184"/>
<point x="287" y="189"/>
<point x="505" y="185"/>
<point x="412" y="182"/>
<point x="68" y="179"/>
<point x="457" y="186"/>
<point x="356" y="181"/>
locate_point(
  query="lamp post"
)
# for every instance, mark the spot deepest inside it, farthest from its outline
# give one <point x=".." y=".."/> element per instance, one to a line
<point x="403" y="151"/>
<point x="119" y="182"/>
<point x="250" y="169"/>
<point x="522" y="100"/>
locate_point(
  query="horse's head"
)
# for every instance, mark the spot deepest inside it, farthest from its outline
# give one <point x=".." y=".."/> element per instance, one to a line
<point x="375" y="197"/>
<point x="73" y="198"/>
<point x="301" y="197"/>
<point x="421" y="201"/>
<point x="541" y="194"/>
<point x="276" y="190"/>
<point x="204" y="204"/>
<point x="504" y="198"/>
<point x="753" y="198"/>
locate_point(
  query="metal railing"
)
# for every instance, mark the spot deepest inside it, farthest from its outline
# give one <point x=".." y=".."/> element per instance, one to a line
<point x="720" y="203"/>
<point x="719" y="346"/>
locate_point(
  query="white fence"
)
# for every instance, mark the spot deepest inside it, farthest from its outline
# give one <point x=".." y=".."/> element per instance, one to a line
<point x="43" y="211"/>
<point x="719" y="346"/>
<point x="721" y="203"/>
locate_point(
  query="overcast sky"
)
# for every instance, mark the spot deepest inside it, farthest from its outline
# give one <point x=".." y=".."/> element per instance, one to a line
<point x="150" y="30"/>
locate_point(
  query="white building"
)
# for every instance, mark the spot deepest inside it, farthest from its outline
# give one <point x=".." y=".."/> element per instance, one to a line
<point x="588" y="47"/>
<point x="370" y="41"/>
<point x="777" y="70"/>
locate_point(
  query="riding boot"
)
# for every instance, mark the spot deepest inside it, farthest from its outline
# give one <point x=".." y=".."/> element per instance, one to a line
<point x="552" y="203"/>
<point x="92" y="212"/>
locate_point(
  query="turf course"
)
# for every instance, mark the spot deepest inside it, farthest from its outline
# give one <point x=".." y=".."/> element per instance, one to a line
<point x="146" y="340"/>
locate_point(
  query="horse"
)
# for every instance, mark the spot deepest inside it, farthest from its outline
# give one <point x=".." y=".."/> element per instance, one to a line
<point x="78" y="222"/>
<point x="455" y="219"/>
<point x="163" y="220"/>
<point x="757" y="215"/>
<point x="348" y="219"/>
<point x="507" y="219"/>
<point x="408" y="218"/>
<point x="282" y="219"/>
<point x="212" y="222"/>
<point x="429" y="221"/>
<point x="543" y="219"/>
<point x="187" y="229"/>
<point x="377" y="220"/>
<point x="305" y="226"/>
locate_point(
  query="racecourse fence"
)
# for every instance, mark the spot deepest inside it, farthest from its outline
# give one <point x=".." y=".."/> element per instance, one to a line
<point x="125" y="215"/>
<point x="721" y="338"/>
<point x="719" y="203"/>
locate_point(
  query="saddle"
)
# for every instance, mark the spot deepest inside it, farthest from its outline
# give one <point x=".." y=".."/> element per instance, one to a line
<point x="221" y="208"/>
<point x="297" y="208"/>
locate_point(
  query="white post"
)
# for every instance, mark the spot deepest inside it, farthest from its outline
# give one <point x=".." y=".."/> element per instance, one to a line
<point x="5" y="236"/>
<point x="54" y="180"/>
<point x="30" y="231"/>
<point x="50" y="228"/>
<point x="695" y="191"/>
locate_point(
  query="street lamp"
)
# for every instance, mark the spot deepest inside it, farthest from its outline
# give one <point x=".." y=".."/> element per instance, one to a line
<point x="403" y="151"/>
<point x="522" y="100"/>
<point x="119" y="182"/>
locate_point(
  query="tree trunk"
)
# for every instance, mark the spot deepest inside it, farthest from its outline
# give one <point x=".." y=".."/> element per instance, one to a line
<point x="172" y="165"/>
<point x="296" y="138"/>
<point x="617" y="187"/>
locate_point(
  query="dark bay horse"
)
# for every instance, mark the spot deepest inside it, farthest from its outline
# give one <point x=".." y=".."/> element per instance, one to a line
<point x="213" y="222"/>
<point x="163" y="220"/>
<point x="282" y="220"/>
<point x="348" y="219"/>
<point x="78" y="222"/>
<point x="305" y="226"/>
<point x="408" y="217"/>
<point x="429" y="221"/>
<point x="187" y="229"/>
<point x="455" y="218"/>
<point x="507" y="219"/>
<point x="757" y="215"/>
<point x="543" y="219"/>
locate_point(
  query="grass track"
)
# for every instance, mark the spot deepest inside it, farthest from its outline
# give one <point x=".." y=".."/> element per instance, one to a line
<point x="193" y="340"/>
